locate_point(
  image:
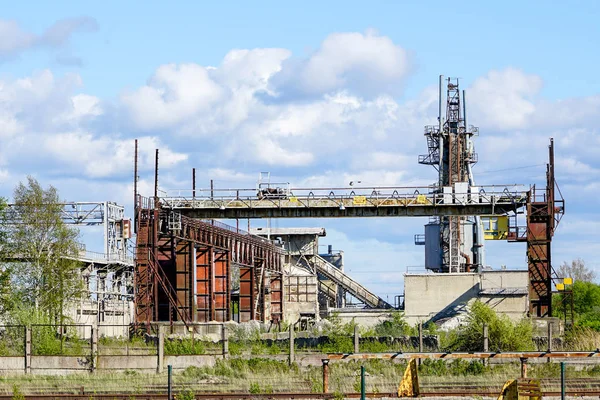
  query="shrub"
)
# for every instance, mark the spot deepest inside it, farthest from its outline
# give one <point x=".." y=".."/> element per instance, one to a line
<point x="395" y="327"/>
<point x="504" y="334"/>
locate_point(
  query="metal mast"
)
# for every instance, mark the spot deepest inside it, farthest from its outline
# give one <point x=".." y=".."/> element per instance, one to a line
<point x="451" y="153"/>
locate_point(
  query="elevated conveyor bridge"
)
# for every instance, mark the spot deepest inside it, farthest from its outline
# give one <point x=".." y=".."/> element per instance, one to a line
<point x="346" y="202"/>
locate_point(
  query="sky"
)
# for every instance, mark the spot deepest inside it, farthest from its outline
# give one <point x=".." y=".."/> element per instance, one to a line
<point x="317" y="93"/>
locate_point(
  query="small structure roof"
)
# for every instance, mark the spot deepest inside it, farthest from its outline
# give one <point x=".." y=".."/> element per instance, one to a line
<point x="512" y="291"/>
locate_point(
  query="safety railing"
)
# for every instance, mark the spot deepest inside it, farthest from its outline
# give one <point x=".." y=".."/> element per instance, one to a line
<point x="356" y="196"/>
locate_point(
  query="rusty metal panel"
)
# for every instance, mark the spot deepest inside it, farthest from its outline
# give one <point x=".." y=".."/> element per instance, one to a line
<point x="203" y="293"/>
<point x="183" y="277"/>
<point x="246" y="309"/>
<point x="221" y="292"/>
<point x="276" y="298"/>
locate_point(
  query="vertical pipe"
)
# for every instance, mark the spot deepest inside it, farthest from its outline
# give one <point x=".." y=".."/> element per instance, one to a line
<point x="169" y="382"/>
<point x="550" y="224"/>
<point x="465" y="110"/>
<point x="193" y="183"/>
<point x="135" y="182"/>
<point x="440" y="104"/>
<point x="362" y="383"/>
<point x="325" y="375"/>
<point x="562" y="380"/>
<point x="156" y="178"/>
<point x="440" y="136"/>
<point x="211" y="189"/>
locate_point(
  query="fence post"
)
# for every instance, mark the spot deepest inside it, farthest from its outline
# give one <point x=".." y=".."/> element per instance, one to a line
<point x="363" y="386"/>
<point x="94" y="340"/>
<point x="356" y="340"/>
<point x="291" y="360"/>
<point x="486" y="342"/>
<point x="169" y="382"/>
<point x="160" y="351"/>
<point x="562" y="380"/>
<point x="225" y="339"/>
<point x="549" y="339"/>
<point x="28" y="349"/>
<point x="325" y="375"/>
<point x="420" y="339"/>
<point x="523" y="367"/>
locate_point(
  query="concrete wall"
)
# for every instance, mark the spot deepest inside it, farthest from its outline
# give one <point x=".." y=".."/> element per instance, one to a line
<point x="434" y="296"/>
<point x="364" y="317"/>
<point x="301" y="294"/>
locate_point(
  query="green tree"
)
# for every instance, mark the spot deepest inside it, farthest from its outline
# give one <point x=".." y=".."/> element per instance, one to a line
<point x="576" y="270"/>
<point x="44" y="273"/>
<point x="5" y="273"/>
<point x="586" y="304"/>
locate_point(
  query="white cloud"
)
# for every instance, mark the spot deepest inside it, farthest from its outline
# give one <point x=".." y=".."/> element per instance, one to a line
<point x="14" y="40"/>
<point x="227" y="123"/>
<point x="504" y="99"/>
<point x="366" y="63"/>
<point x="108" y="156"/>
<point x="173" y="95"/>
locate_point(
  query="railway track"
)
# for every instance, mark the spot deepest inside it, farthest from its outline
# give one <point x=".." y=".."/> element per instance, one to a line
<point x="292" y="396"/>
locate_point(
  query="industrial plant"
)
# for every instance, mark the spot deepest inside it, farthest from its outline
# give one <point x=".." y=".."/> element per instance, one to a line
<point x="187" y="266"/>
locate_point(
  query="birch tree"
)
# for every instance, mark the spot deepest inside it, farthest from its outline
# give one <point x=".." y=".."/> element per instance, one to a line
<point x="44" y="249"/>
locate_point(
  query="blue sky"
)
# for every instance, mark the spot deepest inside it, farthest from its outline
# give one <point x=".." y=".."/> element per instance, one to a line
<point x="315" y="92"/>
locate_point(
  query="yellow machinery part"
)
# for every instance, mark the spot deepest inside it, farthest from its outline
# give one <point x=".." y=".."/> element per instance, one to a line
<point x="409" y="385"/>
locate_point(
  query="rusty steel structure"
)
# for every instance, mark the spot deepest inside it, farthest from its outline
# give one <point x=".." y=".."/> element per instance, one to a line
<point x="185" y="268"/>
<point x="184" y="259"/>
<point x="545" y="208"/>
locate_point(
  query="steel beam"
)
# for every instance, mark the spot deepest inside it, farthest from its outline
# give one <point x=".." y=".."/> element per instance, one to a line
<point x="335" y="211"/>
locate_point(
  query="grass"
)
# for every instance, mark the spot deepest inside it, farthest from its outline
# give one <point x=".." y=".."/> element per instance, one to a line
<point x="263" y="375"/>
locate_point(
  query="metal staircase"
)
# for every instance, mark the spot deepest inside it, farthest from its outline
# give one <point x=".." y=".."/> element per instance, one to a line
<point x="357" y="290"/>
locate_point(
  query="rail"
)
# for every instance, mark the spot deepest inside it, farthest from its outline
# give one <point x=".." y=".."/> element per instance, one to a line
<point x="471" y="355"/>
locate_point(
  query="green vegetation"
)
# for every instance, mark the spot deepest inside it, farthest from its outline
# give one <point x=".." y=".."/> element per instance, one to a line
<point x="260" y="375"/>
<point x="585" y="296"/>
<point x="504" y="334"/>
<point x="44" y="281"/>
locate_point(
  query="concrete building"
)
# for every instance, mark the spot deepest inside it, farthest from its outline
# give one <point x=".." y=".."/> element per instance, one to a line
<point x="432" y="297"/>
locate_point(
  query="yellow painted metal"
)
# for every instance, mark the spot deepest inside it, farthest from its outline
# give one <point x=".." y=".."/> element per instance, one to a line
<point x="568" y="281"/>
<point x="293" y="199"/>
<point x="560" y="286"/>
<point x="495" y="228"/>
<point x="422" y="199"/>
<point x="359" y="200"/>
<point x="409" y="385"/>
<point x="521" y="389"/>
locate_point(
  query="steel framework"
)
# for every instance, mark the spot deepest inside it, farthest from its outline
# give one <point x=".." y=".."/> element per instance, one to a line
<point x="451" y="154"/>
<point x="184" y="270"/>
